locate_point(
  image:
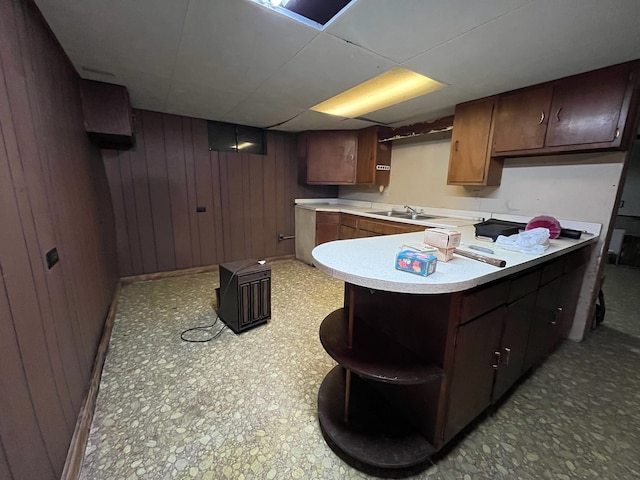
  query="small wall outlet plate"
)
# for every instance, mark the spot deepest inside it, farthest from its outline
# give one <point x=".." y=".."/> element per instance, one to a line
<point x="52" y="257"/>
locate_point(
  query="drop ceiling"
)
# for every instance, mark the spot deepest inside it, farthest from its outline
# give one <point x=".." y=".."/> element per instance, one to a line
<point x="239" y="62"/>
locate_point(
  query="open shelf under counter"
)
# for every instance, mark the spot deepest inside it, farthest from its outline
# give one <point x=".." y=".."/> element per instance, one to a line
<point x="375" y="433"/>
<point x="373" y="355"/>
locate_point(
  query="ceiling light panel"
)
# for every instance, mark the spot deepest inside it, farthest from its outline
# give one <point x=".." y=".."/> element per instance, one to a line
<point x="390" y="88"/>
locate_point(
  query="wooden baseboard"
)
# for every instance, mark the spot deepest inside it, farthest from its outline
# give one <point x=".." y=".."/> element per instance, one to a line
<point x="75" y="455"/>
<point x="186" y="271"/>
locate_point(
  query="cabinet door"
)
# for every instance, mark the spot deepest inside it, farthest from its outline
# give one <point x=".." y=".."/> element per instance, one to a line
<point x="327" y="227"/>
<point x="474" y="368"/>
<point x="107" y="114"/>
<point x="470" y="162"/>
<point x="586" y="108"/>
<point x="347" y="232"/>
<point x="331" y="157"/>
<point x="546" y="324"/>
<point x="517" y="324"/>
<point x="521" y="119"/>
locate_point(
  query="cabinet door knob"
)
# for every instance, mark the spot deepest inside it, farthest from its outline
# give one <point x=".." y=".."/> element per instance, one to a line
<point x="541" y="118"/>
<point x="496" y="360"/>
<point x="507" y="355"/>
<point x="617" y="133"/>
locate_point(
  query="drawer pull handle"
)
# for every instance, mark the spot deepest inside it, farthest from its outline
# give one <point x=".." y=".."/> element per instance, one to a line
<point x="556" y="315"/>
<point x="496" y="360"/>
<point x="558" y="114"/>
<point x="541" y="118"/>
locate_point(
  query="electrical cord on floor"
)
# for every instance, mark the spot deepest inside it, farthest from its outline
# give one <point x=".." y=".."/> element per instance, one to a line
<point x="206" y="327"/>
<point x="203" y="328"/>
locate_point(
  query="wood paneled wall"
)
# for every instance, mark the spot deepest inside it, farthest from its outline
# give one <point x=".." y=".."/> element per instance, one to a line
<point x="53" y="193"/>
<point x="158" y="185"/>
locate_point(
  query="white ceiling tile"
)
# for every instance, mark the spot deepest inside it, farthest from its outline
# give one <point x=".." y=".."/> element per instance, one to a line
<point x="237" y="44"/>
<point x="534" y="44"/>
<point x="261" y="114"/>
<point x="324" y="68"/>
<point x="137" y="36"/>
<point x="400" y="30"/>
<point x="310" y="120"/>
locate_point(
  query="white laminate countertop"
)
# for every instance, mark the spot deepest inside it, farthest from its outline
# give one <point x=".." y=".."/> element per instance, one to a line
<point x="442" y="220"/>
<point x="370" y="262"/>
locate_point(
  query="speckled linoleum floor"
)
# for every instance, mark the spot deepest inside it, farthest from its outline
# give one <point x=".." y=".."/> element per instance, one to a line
<point x="244" y="406"/>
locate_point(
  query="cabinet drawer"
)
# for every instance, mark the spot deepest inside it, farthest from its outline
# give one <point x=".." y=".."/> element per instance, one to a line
<point x="348" y="220"/>
<point x="481" y="300"/>
<point x="552" y="270"/>
<point x="524" y="284"/>
<point x="575" y="260"/>
<point x="328" y="217"/>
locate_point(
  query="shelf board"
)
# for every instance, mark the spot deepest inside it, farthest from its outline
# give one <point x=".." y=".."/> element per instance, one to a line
<point x="376" y="434"/>
<point x="373" y="355"/>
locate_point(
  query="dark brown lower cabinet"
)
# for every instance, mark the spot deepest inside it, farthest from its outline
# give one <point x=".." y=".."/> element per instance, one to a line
<point x="477" y="357"/>
<point x="327" y="227"/>
<point x="354" y="226"/>
<point x="517" y="325"/>
<point x="433" y="363"/>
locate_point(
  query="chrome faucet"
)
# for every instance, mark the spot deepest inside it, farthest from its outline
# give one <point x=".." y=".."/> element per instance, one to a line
<point x="414" y="213"/>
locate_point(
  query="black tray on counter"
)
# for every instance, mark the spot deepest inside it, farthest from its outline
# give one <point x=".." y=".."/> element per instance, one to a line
<point x="493" y="227"/>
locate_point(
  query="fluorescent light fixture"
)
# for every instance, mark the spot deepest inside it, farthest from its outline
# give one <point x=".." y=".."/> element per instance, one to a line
<point x="394" y="86"/>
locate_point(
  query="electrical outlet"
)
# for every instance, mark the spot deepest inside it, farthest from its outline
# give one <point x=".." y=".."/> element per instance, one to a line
<point x="52" y="257"/>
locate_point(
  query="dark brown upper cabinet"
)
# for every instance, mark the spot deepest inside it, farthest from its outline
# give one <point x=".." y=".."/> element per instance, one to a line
<point x="521" y="119"/>
<point x="470" y="161"/>
<point x="592" y="111"/>
<point x="344" y="157"/>
<point x="108" y="119"/>
<point x="583" y="112"/>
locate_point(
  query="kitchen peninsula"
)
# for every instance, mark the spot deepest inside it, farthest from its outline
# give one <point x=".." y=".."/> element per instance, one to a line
<point x="419" y="358"/>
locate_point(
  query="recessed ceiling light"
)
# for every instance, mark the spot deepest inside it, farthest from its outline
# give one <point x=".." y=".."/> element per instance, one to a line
<point x="390" y="88"/>
<point x="314" y="13"/>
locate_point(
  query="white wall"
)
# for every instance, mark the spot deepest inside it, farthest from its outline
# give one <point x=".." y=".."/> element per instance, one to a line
<point x="571" y="187"/>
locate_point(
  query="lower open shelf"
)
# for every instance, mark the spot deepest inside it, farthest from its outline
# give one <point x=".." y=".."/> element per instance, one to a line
<point x="375" y="433"/>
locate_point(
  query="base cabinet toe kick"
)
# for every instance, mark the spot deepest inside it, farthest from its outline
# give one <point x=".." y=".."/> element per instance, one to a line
<point x="415" y="369"/>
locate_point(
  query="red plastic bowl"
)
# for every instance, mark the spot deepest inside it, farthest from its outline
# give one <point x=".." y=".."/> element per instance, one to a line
<point x="545" y="221"/>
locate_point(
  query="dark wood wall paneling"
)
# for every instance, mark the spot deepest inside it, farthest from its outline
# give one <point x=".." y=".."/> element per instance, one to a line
<point x="157" y="186"/>
<point x="53" y="193"/>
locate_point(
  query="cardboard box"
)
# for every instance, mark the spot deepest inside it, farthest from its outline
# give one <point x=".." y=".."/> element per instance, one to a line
<point x="420" y="247"/>
<point x="416" y="262"/>
<point x="442" y="238"/>
<point x="444" y="254"/>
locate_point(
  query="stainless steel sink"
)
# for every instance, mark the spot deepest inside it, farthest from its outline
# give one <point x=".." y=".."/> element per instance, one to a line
<point x="407" y="215"/>
<point x="393" y="213"/>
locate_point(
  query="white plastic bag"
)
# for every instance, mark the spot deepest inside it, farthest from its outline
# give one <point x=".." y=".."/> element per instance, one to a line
<point x="534" y="241"/>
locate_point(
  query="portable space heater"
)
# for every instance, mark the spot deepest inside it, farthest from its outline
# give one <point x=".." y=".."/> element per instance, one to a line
<point x="244" y="296"/>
